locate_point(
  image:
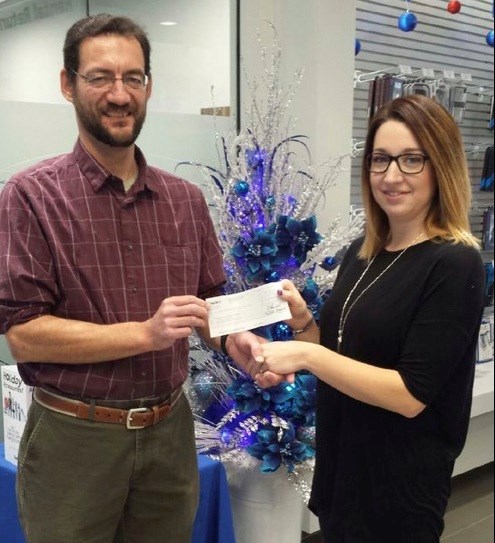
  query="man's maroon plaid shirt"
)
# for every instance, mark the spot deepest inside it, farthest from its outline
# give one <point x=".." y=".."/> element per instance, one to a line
<point x="76" y="246"/>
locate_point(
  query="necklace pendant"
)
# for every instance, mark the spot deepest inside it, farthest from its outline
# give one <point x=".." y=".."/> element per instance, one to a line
<point x="339" y="340"/>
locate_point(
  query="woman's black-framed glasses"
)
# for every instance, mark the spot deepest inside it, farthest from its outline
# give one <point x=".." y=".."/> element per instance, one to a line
<point x="103" y="80"/>
<point x="409" y="163"/>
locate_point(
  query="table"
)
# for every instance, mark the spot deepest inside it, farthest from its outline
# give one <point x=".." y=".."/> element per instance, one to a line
<point x="213" y="522"/>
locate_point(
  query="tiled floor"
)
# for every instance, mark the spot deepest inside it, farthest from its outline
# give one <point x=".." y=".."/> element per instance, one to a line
<point x="469" y="517"/>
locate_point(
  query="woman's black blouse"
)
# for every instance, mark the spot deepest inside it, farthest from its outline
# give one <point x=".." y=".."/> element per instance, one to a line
<point x="381" y="477"/>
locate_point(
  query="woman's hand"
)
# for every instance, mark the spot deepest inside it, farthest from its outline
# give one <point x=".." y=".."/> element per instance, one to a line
<point x="245" y="350"/>
<point x="286" y="357"/>
<point x="298" y="308"/>
<point x="302" y="321"/>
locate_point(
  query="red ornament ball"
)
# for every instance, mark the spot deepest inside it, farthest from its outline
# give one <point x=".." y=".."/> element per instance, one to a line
<point x="454" y="6"/>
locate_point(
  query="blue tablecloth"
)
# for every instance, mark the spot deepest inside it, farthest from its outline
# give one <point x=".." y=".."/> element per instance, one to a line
<point x="213" y="522"/>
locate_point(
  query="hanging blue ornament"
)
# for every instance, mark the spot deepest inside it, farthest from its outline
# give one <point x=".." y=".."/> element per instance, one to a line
<point x="241" y="188"/>
<point x="357" y="47"/>
<point x="310" y="291"/>
<point x="489" y="38"/>
<point x="281" y="332"/>
<point x="330" y="263"/>
<point x="407" y="21"/>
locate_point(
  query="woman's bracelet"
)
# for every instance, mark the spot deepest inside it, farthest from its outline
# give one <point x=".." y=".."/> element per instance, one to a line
<point x="305" y="328"/>
<point x="223" y="344"/>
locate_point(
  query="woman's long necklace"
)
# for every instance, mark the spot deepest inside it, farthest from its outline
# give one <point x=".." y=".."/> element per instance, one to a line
<point x="344" y="314"/>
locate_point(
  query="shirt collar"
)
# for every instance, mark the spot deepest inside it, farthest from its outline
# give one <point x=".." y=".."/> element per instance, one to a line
<point x="97" y="175"/>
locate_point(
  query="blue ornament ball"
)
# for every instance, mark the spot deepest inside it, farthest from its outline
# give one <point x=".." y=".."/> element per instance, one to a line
<point x="202" y="384"/>
<point x="241" y="188"/>
<point x="281" y="332"/>
<point x="407" y="21"/>
<point x="357" y="47"/>
<point x="329" y="263"/>
<point x="489" y="38"/>
<point x="310" y="291"/>
<point x="270" y="202"/>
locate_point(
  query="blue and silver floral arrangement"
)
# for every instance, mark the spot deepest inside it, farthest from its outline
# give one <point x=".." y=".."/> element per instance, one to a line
<point x="264" y="205"/>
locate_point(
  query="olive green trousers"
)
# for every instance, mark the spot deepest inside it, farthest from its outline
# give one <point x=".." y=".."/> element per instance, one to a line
<point x="92" y="482"/>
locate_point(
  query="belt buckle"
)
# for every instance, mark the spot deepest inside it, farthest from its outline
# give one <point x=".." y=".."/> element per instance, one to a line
<point x="130" y="413"/>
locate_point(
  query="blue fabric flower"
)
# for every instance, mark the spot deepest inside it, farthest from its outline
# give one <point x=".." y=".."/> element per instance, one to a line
<point x="296" y="402"/>
<point x="304" y="400"/>
<point x="258" y="252"/>
<point x="281" y="393"/>
<point x="277" y="445"/>
<point x="247" y="396"/>
<point x="297" y="236"/>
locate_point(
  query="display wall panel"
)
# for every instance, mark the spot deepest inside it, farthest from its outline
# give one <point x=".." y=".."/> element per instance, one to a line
<point x="440" y="42"/>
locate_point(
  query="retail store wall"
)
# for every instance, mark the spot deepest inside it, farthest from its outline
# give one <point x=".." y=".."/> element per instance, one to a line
<point x="441" y="42"/>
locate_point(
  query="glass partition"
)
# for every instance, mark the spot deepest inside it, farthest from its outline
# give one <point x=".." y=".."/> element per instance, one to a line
<point x="190" y="50"/>
<point x="193" y="69"/>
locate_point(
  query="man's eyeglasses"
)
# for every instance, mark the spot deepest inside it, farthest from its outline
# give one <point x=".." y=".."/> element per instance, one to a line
<point x="100" y="80"/>
<point x="408" y="162"/>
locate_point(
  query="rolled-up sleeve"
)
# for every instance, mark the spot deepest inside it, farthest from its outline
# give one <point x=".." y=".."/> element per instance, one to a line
<point x="28" y="285"/>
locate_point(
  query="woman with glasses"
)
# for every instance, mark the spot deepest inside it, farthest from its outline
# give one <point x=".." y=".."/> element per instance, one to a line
<point x="395" y="350"/>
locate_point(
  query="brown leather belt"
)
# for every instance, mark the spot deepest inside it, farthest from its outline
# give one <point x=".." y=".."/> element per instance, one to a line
<point x="133" y="419"/>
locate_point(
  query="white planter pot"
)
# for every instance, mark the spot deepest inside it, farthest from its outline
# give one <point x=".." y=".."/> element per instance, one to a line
<point x="266" y="507"/>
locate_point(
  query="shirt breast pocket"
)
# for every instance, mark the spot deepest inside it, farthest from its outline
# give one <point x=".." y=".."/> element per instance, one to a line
<point x="177" y="268"/>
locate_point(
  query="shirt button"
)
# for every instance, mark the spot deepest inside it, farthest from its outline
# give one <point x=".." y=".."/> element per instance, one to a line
<point x="134" y="289"/>
<point x="130" y="247"/>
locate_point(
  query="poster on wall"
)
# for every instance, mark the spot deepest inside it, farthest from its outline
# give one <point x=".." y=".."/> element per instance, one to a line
<point x="16" y="399"/>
